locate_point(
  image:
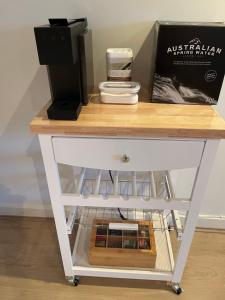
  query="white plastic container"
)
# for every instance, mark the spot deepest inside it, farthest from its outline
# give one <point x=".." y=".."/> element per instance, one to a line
<point x="119" y="92"/>
<point x="119" y="64"/>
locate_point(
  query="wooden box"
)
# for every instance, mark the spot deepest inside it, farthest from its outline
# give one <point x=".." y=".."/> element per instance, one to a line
<point x="122" y="248"/>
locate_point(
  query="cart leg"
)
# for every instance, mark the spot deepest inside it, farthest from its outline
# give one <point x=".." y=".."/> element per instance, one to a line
<point x="192" y="215"/>
<point x="54" y="186"/>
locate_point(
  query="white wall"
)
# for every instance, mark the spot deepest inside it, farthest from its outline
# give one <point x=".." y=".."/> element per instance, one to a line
<point x="213" y="208"/>
<point x="24" y="86"/>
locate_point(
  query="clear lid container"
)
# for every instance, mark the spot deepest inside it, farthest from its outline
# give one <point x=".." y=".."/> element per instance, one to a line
<point x="119" y="87"/>
<point x="119" y="53"/>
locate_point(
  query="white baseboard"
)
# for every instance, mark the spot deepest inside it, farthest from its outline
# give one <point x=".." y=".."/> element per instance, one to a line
<point x="204" y="221"/>
<point x="27" y="212"/>
<point x="209" y="221"/>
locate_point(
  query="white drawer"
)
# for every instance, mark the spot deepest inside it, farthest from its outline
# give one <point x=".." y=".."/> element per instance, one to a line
<point x="127" y="154"/>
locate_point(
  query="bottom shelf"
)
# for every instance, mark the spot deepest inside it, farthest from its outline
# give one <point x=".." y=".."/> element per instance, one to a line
<point x="164" y="261"/>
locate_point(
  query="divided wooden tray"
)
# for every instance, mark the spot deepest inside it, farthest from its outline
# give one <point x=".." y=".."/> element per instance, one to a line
<point x="122" y="248"/>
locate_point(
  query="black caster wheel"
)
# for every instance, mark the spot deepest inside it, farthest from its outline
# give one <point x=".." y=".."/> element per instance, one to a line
<point x="177" y="289"/>
<point x="76" y="280"/>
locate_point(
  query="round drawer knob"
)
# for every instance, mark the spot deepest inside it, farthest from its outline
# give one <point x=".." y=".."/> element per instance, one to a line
<point x="125" y="158"/>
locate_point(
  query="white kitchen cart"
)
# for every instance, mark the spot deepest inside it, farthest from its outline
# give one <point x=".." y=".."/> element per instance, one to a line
<point x="146" y="141"/>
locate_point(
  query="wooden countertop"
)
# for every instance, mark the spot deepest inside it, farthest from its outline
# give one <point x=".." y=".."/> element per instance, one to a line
<point x="142" y="119"/>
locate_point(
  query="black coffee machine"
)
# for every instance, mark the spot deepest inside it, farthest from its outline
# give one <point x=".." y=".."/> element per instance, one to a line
<point x="65" y="46"/>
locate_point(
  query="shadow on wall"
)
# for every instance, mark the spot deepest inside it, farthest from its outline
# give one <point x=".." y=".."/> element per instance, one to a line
<point x="137" y="36"/>
<point x="9" y="198"/>
<point x="144" y="64"/>
<point x="37" y="90"/>
<point x="22" y="169"/>
<point x="34" y="152"/>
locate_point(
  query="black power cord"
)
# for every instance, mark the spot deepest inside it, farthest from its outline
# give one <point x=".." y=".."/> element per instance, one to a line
<point x="110" y="174"/>
<point x="121" y="215"/>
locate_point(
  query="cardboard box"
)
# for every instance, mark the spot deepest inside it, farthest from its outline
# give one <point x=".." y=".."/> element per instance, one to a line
<point x="189" y="62"/>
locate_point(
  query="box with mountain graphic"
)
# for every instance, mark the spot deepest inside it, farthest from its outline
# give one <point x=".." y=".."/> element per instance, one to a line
<point x="189" y="62"/>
